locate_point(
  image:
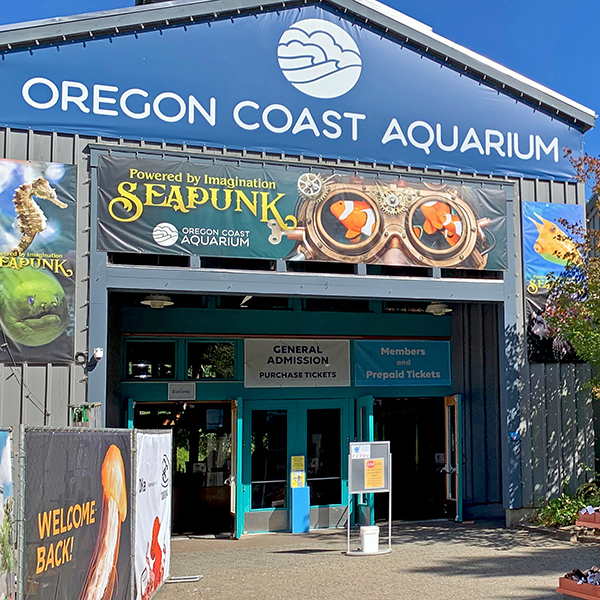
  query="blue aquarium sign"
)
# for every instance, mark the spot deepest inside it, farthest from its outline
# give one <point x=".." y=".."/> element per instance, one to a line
<point x="305" y="81"/>
<point x="391" y="363"/>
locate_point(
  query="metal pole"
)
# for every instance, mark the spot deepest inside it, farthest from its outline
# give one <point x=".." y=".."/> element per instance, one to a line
<point x="20" y="512"/>
<point x="390" y="502"/>
<point x="349" y="499"/>
<point x="133" y="496"/>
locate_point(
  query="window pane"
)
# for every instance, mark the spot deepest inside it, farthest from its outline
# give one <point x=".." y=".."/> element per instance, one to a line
<point x="150" y="360"/>
<point x="324" y="466"/>
<point x="210" y="360"/>
<point x="269" y="458"/>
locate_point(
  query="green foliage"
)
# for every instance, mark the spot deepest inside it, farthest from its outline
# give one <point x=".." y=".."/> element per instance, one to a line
<point x="573" y="308"/>
<point x="6" y="551"/>
<point x="563" y="510"/>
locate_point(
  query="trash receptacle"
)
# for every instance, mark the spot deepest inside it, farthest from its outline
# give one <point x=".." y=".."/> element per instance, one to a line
<point x="369" y="539"/>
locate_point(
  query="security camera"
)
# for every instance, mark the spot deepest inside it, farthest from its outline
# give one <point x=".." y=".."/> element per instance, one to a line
<point x="98" y="353"/>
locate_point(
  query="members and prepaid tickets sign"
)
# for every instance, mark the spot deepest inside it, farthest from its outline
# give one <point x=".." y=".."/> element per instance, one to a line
<point x="37" y="261"/>
<point x="245" y="210"/>
<point x="382" y="363"/>
<point x="153" y="512"/>
<point x="77" y="526"/>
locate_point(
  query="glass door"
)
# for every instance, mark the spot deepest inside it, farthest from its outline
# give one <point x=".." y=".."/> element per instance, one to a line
<point x="269" y="459"/>
<point x="277" y="430"/>
<point x="453" y="466"/>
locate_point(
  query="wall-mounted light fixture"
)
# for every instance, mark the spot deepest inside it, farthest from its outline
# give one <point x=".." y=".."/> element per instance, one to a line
<point x="439" y="309"/>
<point x="157" y="301"/>
<point x="89" y="363"/>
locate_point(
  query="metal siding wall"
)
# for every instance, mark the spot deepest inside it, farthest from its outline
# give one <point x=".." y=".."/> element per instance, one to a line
<point x="557" y="433"/>
<point x="476" y="377"/>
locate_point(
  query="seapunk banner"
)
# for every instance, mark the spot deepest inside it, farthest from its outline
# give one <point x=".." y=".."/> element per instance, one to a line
<point x="153" y="512"/>
<point x="246" y="210"/>
<point x="77" y="515"/>
<point x="37" y="261"/>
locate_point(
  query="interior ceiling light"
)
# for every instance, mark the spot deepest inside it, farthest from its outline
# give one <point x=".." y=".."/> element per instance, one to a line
<point x="438" y="309"/>
<point x="244" y="302"/>
<point x="157" y="301"/>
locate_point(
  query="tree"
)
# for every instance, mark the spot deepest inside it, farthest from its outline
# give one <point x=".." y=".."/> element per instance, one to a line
<point x="573" y="308"/>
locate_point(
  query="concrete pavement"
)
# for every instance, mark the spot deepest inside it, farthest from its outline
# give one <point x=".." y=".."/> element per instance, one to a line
<point x="433" y="561"/>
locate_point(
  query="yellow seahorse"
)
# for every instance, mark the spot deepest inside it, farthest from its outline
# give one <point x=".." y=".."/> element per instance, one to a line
<point x="31" y="220"/>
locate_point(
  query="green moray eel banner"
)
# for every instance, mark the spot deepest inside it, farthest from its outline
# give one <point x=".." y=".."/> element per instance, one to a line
<point x="243" y="209"/>
<point x="37" y="261"/>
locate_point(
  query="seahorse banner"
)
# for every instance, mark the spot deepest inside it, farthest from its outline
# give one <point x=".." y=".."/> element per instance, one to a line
<point x="153" y="512"/>
<point x="550" y="235"/>
<point x="77" y="526"/>
<point x="251" y="210"/>
<point x="37" y="261"/>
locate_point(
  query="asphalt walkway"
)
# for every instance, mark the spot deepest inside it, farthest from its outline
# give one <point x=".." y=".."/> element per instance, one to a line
<point x="432" y="561"/>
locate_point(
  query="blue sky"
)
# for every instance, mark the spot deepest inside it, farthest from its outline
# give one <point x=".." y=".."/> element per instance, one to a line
<point x="551" y="41"/>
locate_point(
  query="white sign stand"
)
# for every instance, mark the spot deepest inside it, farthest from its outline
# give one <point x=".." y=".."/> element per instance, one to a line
<point x="370" y="472"/>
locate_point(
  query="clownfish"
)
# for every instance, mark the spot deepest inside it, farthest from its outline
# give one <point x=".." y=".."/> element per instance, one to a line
<point x="438" y="217"/>
<point x="357" y="217"/>
<point x="554" y="244"/>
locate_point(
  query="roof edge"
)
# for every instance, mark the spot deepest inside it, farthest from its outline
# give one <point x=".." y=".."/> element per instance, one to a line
<point x="370" y="12"/>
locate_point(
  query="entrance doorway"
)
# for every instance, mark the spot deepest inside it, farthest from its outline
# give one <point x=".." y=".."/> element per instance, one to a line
<point x="277" y="430"/>
<point x="416" y="429"/>
<point x="202" y="451"/>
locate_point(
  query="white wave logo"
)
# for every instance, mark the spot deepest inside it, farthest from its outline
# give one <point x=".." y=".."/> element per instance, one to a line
<point x="319" y="58"/>
<point x="165" y="234"/>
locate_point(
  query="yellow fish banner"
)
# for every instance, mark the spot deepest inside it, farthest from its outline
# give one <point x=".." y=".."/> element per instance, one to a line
<point x="551" y="235"/>
<point x="244" y="209"/>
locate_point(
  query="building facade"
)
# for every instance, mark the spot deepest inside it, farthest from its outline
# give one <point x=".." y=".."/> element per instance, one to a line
<point x="280" y="228"/>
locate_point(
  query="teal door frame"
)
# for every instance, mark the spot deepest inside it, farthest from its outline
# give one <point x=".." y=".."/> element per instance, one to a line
<point x="460" y="460"/>
<point x="238" y="492"/>
<point x="296" y="443"/>
<point x="364" y="509"/>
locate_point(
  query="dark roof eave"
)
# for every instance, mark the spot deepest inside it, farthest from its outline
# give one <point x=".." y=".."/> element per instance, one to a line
<point x="77" y="27"/>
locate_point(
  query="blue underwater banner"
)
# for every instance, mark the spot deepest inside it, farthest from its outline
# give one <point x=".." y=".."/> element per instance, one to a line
<point x="551" y="233"/>
<point x="37" y="261"/>
<point x="388" y="363"/>
<point x="304" y="80"/>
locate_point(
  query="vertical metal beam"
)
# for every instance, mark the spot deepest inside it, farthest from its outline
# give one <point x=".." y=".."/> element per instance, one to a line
<point x="512" y="352"/>
<point x="98" y="319"/>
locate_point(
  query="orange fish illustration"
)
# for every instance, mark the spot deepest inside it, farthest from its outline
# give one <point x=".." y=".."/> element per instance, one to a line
<point x="554" y="244"/>
<point x="356" y="216"/>
<point x="438" y="217"/>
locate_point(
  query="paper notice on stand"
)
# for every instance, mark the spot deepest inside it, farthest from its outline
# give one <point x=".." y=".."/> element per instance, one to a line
<point x="374" y="473"/>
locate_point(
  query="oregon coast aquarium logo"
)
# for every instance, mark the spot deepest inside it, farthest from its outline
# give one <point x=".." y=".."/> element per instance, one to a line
<point x="319" y="58"/>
